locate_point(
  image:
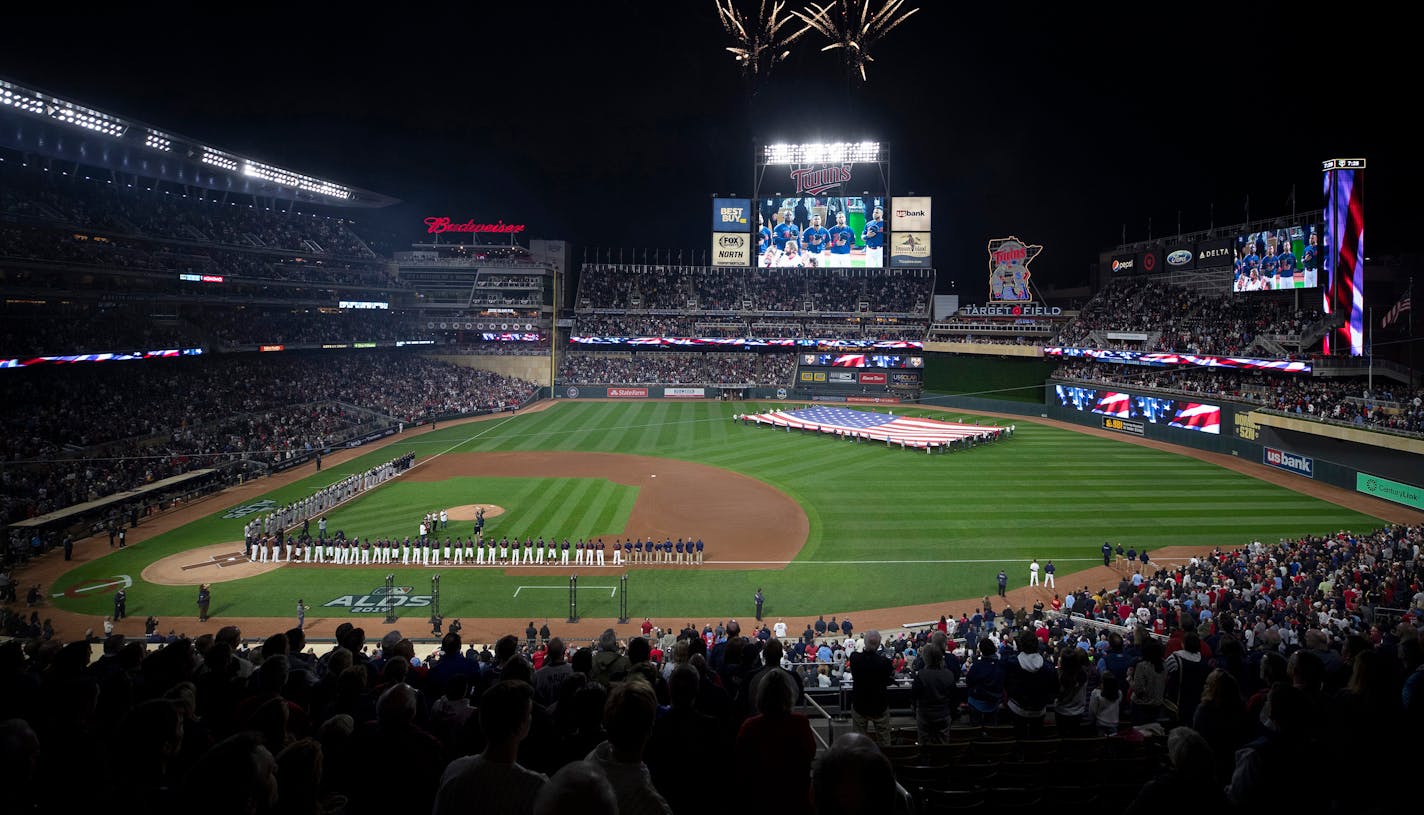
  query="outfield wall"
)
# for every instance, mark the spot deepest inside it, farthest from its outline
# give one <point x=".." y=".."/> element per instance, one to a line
<point x="1320" y="456"/>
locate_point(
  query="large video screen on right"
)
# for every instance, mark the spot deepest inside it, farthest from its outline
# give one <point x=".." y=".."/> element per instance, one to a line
<point x="1179" y="413"/>
<point x="1279" y="259"/>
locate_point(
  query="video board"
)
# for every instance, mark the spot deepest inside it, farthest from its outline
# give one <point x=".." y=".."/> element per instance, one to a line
<point x="863" y="360"/>
<point x="1179" y="413"/>
<point x="824" y="231"/>
<point x="1278" y="259"/>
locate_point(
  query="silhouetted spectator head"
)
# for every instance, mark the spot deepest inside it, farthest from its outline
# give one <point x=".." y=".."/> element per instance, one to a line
<point x="853" y="778"/>
<point x="577" y="787"/>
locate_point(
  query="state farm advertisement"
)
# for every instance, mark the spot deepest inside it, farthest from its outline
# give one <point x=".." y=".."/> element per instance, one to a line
<point x="873" y="379"/>
<point x="627" y="393"/>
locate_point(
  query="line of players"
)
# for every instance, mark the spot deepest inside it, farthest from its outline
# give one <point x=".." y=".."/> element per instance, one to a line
<point x="429" y="550"/>
<point x="787" y="245"/>
<point x="1266" y="262"/>
<point x="327" y="497"/>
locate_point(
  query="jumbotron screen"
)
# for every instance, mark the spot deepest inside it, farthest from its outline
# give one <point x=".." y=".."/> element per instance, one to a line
<point x="1278" y="259"/>
<point x="820" y="231"/>
<point x="862" y="360"/>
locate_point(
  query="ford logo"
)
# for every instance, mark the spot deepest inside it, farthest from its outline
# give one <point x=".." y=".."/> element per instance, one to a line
<point x="1181" y="257"/>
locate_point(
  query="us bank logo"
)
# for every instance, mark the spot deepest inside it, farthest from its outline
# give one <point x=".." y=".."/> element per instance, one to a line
<point x="377" y="601"/>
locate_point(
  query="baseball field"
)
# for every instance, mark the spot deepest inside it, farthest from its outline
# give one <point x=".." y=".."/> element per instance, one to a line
<point x="820" y="525"/>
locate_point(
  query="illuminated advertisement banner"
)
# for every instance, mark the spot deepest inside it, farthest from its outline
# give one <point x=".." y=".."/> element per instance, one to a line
<point x="435" y="225"/>
<point x="1123" y="264"/>
<point x="1214" y="254"/>
<point x="910" y="213"/>
<point x="731" y="215"/>
<point x="1400" y="493"/>
<point x="911" y="250"/>
<point x="862" y="361"/>
<point x="115" y="356"/>
<point x="1182" y="258"/>
<point x="1150" y="261"/>
<point x="1277" y="259"/>
<point x="1009" y="274"/>
<point x="201" y="278"/>
<point x="873" y="400"/>
<point x="1167" y="359"/>
<point x="841" y="377"/>
<point x="1004" y="310"/>
<point x="363" y="304"/>
<point x="905" y="378"/>
<point x="873" y="379"/>
<point x="821" y="231"/>
<point x="684" y="393"/>
<point x="1177" y="413"/>
<point x="1290" y="462"/>
<point x="627" y="393"/>
<point x="492" y="337"/>
<point x="731" y="249"/>
<point x="1124" y="426"/>
<point x="265" y="348"/>
<point x="749" y="342"/>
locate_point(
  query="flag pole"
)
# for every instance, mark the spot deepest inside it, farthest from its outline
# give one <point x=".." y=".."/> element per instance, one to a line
<point x="1370" y="347"/>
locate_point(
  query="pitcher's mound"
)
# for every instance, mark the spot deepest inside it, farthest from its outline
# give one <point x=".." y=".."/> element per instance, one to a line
<point x="466" y="512"/>
<point x="206" y="564"/>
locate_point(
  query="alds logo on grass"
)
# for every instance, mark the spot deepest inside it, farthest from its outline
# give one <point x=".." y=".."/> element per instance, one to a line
<point x="248" y="509"/>
<point x="376" y="601"/>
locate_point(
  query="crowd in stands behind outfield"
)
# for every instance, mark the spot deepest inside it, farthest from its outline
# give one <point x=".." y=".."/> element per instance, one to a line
<point x="676" y="368"/>
<point x="138" y="422"/>
<point x="1388" y="406"/>
<point x="1189" y="322"/>
<point x="603" y="286"/>
<point x="1258" y="661"/>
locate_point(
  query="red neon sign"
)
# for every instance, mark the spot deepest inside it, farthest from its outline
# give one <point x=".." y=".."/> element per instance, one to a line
<point x="435" y="226"/>
<point x="271" y="347"/>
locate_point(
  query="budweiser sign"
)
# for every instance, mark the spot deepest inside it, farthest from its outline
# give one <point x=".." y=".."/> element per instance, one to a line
<point x="436" y="226"/>
<point x="819" y="179"/>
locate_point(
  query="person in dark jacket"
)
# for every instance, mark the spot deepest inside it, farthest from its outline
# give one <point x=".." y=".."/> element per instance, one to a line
<point x="985" y="682"/>
<point x="933" y="690"/>
<point x="1031" y="683"/>
<point x="871" y="673"/>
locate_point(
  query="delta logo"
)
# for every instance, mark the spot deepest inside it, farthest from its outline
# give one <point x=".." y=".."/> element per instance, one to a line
<point x="1290" y="462"/>
<point x="377" y="601"/>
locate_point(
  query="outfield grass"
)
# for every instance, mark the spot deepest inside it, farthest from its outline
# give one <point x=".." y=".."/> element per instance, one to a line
<point x="879" y="517"/>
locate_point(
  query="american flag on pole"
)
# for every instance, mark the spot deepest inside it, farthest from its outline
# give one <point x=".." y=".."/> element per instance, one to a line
<point x="1394" y="314"/>
<point x="864" y="424"/>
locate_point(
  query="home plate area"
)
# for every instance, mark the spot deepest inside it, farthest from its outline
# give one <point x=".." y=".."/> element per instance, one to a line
<point x="231" y="559"/>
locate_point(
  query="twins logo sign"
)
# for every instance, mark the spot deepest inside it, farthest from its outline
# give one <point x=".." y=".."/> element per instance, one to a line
<point x="377" y="601"/>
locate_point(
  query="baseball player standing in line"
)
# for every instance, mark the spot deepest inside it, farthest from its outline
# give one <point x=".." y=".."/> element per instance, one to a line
<point x="1033" y="573"/>
<point x="618" y="552"/>
<point x="1048" y="576"/>
<point x="599" y="550"/>
<point x="444" y="519"/>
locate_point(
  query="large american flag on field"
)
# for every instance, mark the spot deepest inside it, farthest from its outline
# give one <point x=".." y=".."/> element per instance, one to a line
<point x="904" y="430"/>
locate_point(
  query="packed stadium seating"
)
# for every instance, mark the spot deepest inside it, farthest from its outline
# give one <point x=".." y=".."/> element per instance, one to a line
<point x="675" y="368"/>
<point x="1178" y="319"/>
<point x="1256" y="661"/>
<point x="81" y="433"/>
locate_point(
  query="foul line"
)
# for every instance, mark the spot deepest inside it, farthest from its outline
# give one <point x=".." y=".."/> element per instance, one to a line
<point x="612" y="590"/>
<point x="876" y="562"/>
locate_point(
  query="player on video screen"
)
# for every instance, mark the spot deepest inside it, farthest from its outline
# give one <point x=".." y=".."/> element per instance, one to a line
<point x="874" y="236"/>
<point x="816" y="238"/>
<point x="763" y="235"/>
<point x="1239" y="273"/>
<point x="784" y="231"/>
<point x="1285" y="261"/>
<point x="1268" y="262"/>
<point x="791" y="256"/>
<point x="842" y="240"/>
<point x="1310" y="259"/>
<point x="1253" y="265"/>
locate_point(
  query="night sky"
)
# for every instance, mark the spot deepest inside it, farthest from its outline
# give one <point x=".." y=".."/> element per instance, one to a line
<point x="610" y="124"/>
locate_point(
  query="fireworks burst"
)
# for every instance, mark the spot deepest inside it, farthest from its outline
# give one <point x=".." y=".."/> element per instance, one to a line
<point x="762" y="42"/>
<point x="854" y="27"/>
